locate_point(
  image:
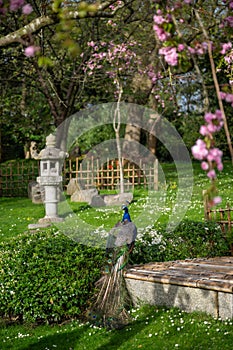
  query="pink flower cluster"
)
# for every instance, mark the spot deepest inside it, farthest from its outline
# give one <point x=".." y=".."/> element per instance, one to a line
<point x="227" y="97"/>
<point x="118" y="56"/>
<point x="204" y="150"/>
<point x="30" y="51"/>
<point x="198" y="49"/>
<point x="214" y="123"/>
<point x="170" y="55"/>
<point x="159" y="28"/>
<point x="154" y="76"/>
<point x="15" y="5"/>
<point x="118" y="59"/>
<point x="225" y="47"/>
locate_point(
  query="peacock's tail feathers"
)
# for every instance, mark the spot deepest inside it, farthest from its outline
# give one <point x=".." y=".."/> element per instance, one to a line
<point x="112" y="298"/>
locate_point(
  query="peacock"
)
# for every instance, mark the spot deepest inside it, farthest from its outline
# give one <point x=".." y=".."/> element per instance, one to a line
<point x="109" y="308"/>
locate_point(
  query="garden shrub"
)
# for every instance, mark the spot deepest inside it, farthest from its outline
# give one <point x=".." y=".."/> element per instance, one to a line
<point x="190" y="239"/>
<point x="46" y="277"/>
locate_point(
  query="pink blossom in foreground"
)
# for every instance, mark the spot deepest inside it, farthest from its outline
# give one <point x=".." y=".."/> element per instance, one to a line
<point x="211" y="174"/>
<point x="199" y="150"/>
<point x="180" y="47"/>
<point x="204" y="130"/>
<point x="205" y="151"/>
<point x="227" y="97"/>
<point x="204" y="166"/>
<point x="216" y="200"/>
<point x="215" y="155"/>
<point x="214" y="123"/>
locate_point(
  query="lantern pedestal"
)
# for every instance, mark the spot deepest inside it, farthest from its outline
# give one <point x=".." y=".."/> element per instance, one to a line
<point x="51" y="201"/>
<point x="51" y="160"/>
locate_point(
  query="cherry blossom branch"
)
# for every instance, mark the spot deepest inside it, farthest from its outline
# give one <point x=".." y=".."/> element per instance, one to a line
<point x="172" y="49"/>
<point x="213" y="69"/>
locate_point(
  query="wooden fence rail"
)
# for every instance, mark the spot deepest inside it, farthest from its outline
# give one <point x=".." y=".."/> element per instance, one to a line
<point x="223" y="217"/>
<point x="15" y="176"/>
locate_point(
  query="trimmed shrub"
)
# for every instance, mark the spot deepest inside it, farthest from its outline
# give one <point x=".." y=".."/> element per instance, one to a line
<point x="46" y="277"/>
<point x="190" y="239"/>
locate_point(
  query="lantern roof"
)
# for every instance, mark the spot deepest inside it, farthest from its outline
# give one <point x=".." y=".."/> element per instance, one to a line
<point x="50" y="151"/>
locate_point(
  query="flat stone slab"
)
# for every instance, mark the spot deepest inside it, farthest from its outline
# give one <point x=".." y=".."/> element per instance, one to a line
<point x="84" y="195"/>
<point x="193" y="285"/>
<point x="118" y="199"/>
<point x="36" y="226"/>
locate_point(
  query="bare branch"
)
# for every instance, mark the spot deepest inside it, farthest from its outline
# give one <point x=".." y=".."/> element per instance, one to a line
<point x="32" y="27"/>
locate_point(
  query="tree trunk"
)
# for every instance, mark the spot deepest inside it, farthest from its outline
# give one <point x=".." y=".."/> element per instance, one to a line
<point x="132" y="133"/>
<point x="154" y="126"/>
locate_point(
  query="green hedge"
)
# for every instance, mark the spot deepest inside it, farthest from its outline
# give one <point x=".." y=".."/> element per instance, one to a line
<point x="190" y="239"/>
<point x="46" y="277"/>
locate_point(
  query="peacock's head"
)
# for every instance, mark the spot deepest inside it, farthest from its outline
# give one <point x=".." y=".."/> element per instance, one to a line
<point x="124" y="207"/>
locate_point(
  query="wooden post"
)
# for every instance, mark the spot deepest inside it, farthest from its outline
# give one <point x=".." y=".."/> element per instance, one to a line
<point x="156" y="175"/>
<point x="229" y="217"/>
<point x="1" y="194"/>
<point x="205" y="202"/>
<point x="98" y="174"/>
<point x="92" y="171"/>
<point x="133" y="176"/>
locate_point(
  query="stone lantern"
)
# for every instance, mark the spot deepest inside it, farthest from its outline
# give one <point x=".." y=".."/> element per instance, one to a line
<point x="51" y="160"/>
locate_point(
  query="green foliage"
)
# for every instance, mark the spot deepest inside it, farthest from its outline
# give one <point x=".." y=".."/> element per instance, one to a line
<point x="46" y="277"/>
<point x="190" y="239"/>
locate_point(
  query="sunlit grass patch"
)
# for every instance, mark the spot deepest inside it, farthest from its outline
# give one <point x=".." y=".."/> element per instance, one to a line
<point x="151" y="328"/>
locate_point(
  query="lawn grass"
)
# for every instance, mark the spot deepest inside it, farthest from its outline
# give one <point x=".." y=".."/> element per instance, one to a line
<point x="152" y="328"/>
<point x="17" y="213"/>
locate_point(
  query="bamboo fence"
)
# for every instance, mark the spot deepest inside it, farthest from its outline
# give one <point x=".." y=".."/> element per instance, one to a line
<point x="91" y="173"/>
<point x="15" y="176"/>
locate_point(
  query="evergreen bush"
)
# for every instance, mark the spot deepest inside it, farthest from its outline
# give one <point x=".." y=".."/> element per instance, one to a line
<point x="46" y="277"/>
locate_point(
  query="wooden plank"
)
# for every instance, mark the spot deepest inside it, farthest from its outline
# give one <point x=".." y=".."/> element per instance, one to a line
<point x="222" y="286"/>
<point x="209" y="266"/>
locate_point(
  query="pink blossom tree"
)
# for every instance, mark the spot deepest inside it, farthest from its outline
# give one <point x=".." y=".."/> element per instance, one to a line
<point x="173" y="25"/>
